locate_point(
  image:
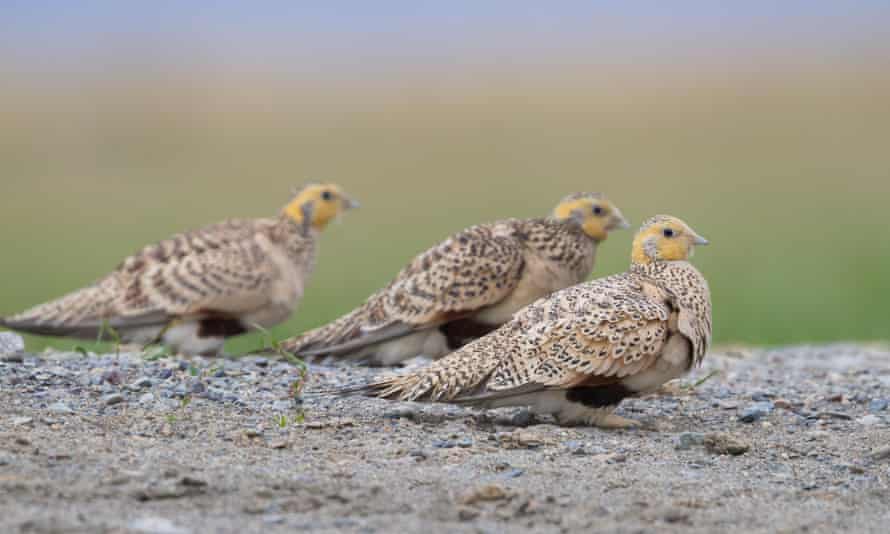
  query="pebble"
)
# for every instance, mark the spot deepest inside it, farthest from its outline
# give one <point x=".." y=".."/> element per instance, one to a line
<point x="165" y="373"/>
<point x="444" y="444"/>
<point x="261" y="362"/>
<point x="882" y="453"/>
<point x="144" y="382"/>
<point x="114" y="398"/>
<point x="490" y="492"/>
<point x="522" y="419"/>
<point x="18" y="421"/>
<point x="878" y="405"/>
<point x="11" y="343"/>
<point x="722" y="443"/>
<point x="420" y="454"/>
<point x="146" y="398"/>
<point x="869" y="420"/>
<point x="401" y="412"/>
<point x="282" y="405"/>
<point x="60" y="407"/>
<point x="113" y="376"/>
<point x="755" y="411"/>
<point x="156" y="525"/>
<point x="13" y="358"/>
<point x="687" y="440"/>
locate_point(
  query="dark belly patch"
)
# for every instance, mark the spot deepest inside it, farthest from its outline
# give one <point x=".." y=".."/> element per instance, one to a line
<point x="599" y="396"/>
<point x="462" y="331"/>
<point x="220" y="327"/>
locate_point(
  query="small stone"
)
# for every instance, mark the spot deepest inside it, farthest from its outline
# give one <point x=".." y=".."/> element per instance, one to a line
<point x="278" y="444"/>
<point x="882" y="453"/>
<point x="782" y="404"/>
<point x="261" y="362"/>
<point x="755" y="411"/>
<point x="420" y="454"/>
<point x="521" y="439"/>
<point x="869" y="420"/>
<point x="215" y="394"/>
<point x="402" y="412"/>
<point x="514" y="473"/>
<point x="878" y="405"/>
<point x="19" y="421"/>
<point x="487" y="493"/>
<point x="147" y="398"/>
<point x="60" y="407"/>
<point x="687" y="440"/>
<point x="113" y="376"/>
<point x="114" y="398"/>
<point x="465" y="513"/>
<point x="165" y="373"/>
<point x="13" y="358"/>
<point x="444" y="444"/>
<point x="523" y="418"/>
<point x="273" y="519"/>
<point x="721" y="443"/>
<point x="197" y="387"/>
<point x="184" y="365"/>
<point x="11" y="343"/>
<point x="282" y="405"/>
<point x="465" y="443"/>
<point x="156" y="525"/>
<point x="144" y="382"/>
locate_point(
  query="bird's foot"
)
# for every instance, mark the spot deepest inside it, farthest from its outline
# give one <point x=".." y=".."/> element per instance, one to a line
<point x="613" y="421"/>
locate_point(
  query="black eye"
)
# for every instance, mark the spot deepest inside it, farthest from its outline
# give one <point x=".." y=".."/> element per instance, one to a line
<point x="668" y="232"/>
<point x="597" y="210"/>
<point x="327" y="195"/>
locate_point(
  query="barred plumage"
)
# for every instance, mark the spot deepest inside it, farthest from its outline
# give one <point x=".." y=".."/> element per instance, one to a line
<point x="579" y="351"/>
<point x="199" y="287"/>
<point x="468" y="285"/>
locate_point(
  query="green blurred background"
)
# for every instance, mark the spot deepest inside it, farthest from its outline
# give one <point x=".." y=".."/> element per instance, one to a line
<point x="771" y="139"/>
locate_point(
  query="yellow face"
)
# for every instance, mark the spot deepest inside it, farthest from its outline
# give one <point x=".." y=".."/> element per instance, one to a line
<point x="321" y="203"/>
<point x="596" y="215"/>
<point x="665" y="238"/>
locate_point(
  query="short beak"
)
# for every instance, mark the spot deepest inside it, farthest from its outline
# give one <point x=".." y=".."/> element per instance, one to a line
<point x="350" y="204"/>
<point x="620" y="222"/>
<point x="699" y="240"/>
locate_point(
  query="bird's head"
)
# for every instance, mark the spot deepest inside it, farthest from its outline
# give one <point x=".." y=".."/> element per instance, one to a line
<point x="316" y="205"/>
<point x="592" y="212"/>
<point x="664" y="238"/>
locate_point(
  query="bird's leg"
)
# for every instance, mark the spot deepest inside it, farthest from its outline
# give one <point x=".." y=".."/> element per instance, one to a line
<point x="576" y="414"/>
<point x="615" y="422"/>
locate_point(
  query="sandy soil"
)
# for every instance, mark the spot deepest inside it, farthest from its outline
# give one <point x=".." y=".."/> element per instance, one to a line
<point x="782" y="440"/>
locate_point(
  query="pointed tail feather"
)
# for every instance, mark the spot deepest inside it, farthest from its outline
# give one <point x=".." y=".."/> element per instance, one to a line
<point x="345" y="334"/>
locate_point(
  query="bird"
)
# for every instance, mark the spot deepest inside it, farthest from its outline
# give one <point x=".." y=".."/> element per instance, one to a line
<point x="197" y="288"/>
<point x="467" y="286"/>
<point x="578" y="352"/>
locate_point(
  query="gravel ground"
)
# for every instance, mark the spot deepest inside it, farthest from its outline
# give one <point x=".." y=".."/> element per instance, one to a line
<point x="780" y="440"/>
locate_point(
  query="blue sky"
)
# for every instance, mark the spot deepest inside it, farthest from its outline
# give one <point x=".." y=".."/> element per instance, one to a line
<point x="67" y="32"/>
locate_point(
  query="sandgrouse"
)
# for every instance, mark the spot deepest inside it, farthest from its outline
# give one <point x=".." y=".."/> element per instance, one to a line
<point x="578" y="352"/>
<point x="468" y="285"/>
<point x="197" y="288"/>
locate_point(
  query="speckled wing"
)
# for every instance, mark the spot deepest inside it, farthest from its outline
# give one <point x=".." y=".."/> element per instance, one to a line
<point x="219" y="268"/>
<point x="603" y="330"/>
<point x="471" y="270"/>
<point x="694" y="304"/>
<point x="592" y="333"/>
